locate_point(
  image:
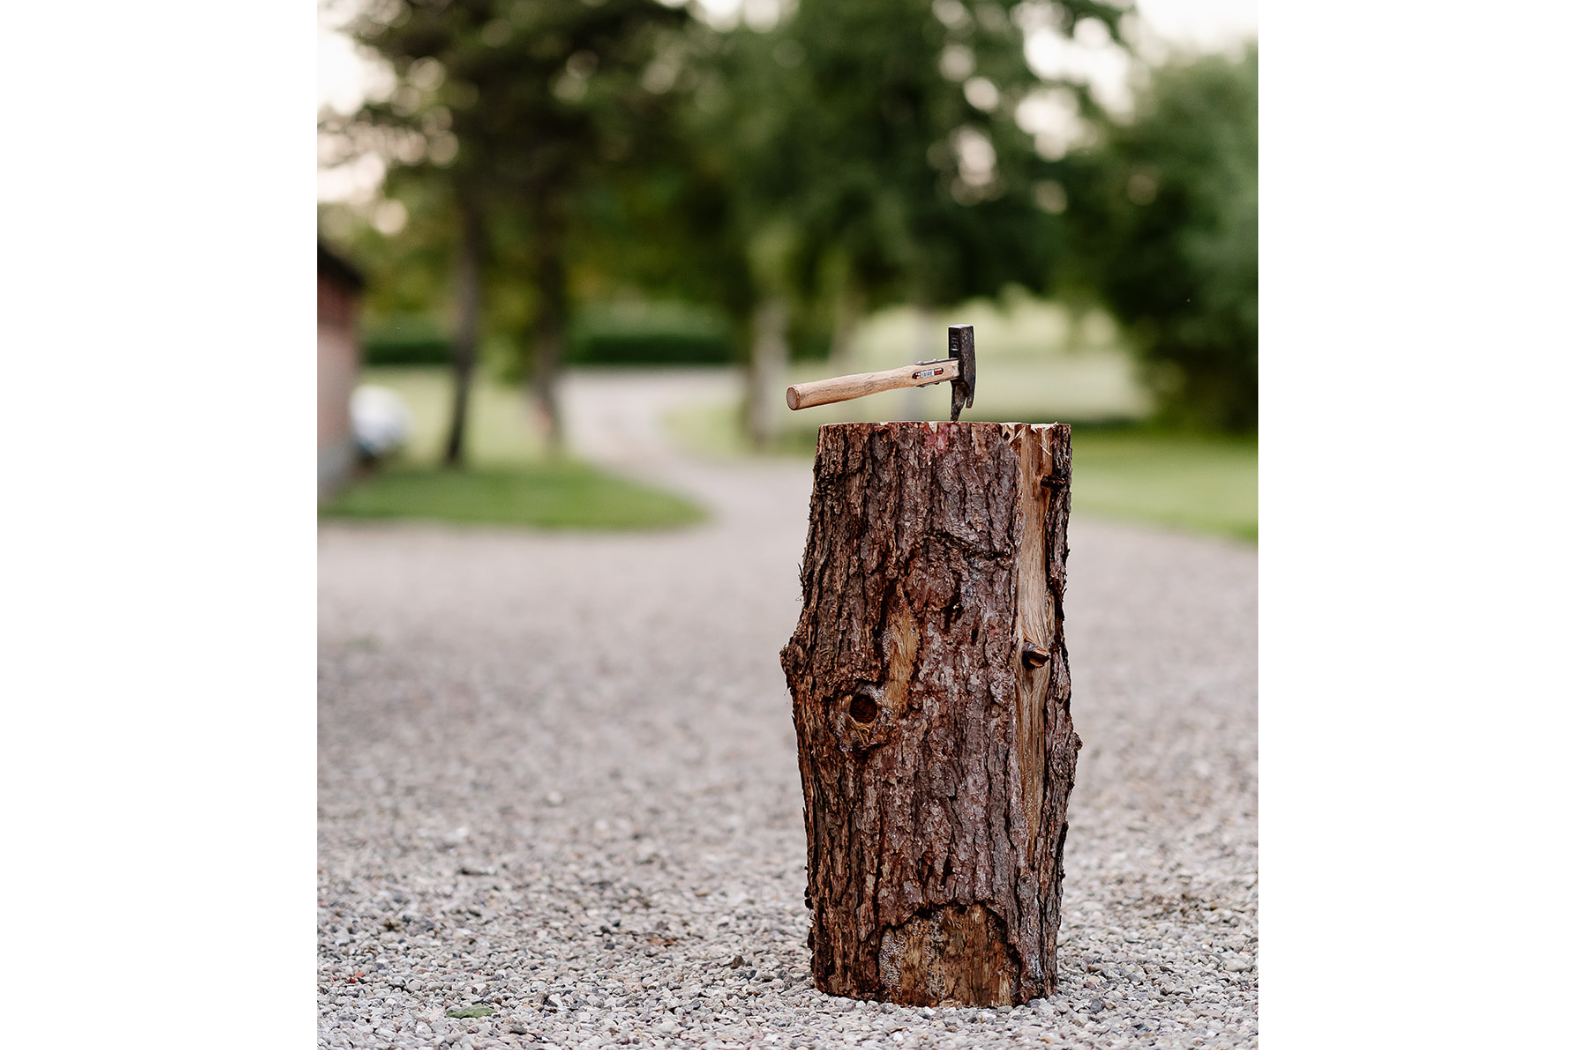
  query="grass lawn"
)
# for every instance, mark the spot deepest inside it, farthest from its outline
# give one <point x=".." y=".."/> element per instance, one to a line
<point x="1207" y="484"/>
<point x="500" y="431"/>
<point x="510" y="480"/>
<point x="564" y="495"/>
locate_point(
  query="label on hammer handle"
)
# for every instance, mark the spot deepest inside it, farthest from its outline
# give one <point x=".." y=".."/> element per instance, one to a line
<point x="925" y="372"/>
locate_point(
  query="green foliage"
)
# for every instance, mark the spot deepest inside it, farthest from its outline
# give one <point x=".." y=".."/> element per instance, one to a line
<point x="1165" y="210"/>
<point x="555" y="494"/>
<point x="518" y="96"/>
<point x="589" y="347"/>
<point x="857" y="154"/>
<point x="408" y="273"/>
<point x="649" y="334"/>
<point x="517" y="117"/>
<point x="856" y="170"/>
<point x="404" y="339"/>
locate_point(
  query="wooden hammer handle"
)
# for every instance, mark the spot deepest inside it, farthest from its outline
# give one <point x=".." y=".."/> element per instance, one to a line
<point x="845" y="388"/>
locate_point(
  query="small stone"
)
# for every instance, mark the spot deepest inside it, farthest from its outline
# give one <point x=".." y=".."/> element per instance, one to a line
<point x="1096" y="1006"/>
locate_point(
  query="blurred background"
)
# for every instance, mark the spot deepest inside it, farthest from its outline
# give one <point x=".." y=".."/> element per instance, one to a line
<point x="539" y="219"/>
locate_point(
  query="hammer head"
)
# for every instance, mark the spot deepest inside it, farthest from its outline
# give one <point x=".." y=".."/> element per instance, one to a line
<point x="959" y="344"/>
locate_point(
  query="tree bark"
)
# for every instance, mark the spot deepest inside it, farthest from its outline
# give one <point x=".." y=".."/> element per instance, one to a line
<point x="933" y="708"/>
<point x="467" y="326"/>
<point x="552" y="317"/>
<point x="768" y="357"/>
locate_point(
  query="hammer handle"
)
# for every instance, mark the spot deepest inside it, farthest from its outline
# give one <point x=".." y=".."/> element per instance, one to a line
<point x="845" y="388"/>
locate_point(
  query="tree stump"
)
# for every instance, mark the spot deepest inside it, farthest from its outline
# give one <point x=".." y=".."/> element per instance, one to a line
<point x="933" y="708"/>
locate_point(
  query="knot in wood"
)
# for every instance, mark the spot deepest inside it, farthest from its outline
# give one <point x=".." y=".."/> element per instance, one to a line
<point x="862" y="709"/>
<point x="1035" y="655"/>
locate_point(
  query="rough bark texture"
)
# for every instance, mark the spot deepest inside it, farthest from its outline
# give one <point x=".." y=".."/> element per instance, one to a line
<point x="466" y="331"/>
<point x="933" y="708"/>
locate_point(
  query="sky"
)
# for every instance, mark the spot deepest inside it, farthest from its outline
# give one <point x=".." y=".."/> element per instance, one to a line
<point x="343" y="78"/>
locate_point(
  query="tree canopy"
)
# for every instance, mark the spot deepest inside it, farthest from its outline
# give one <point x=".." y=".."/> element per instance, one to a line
<point x="854" y="154"/>
<point x="1165" y="214"/>
<point x="520" y="109"/>
<point x="875" y="141"/>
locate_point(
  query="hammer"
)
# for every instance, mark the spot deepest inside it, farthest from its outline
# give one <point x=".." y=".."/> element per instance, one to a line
<point x="958" y="366"/>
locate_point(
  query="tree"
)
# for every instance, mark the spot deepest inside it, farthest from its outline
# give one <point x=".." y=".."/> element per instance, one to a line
<point x="871" y="156"/>
<point x="1165" y="214"/>
<point x="519" y="108"/>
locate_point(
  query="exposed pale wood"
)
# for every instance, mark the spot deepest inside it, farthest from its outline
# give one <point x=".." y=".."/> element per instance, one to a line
<point x="845" y="388"/>
<point x="936" y="748"/>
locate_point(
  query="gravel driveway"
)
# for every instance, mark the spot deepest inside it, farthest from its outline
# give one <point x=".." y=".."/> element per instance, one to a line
<point x="557" y="779"/>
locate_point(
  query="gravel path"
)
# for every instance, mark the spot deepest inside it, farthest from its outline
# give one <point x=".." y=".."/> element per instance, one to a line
<point x="557" y="779"/>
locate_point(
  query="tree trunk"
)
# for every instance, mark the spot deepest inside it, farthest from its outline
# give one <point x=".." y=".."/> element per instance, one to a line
<point x="768" y="356"/>
<point x="467" y="325"/>
<point x="850" y="307"/>
<point x="933" y="709"/>
<point x="552" y="310"/>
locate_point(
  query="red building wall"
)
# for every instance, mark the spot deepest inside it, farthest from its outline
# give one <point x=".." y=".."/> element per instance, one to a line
<point x="338" y="360"/>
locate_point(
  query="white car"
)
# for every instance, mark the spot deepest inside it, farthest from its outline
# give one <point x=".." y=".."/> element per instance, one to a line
<point x="381" y="421"/>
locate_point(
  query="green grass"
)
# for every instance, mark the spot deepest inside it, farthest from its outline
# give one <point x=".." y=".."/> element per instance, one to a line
<point x="500" y="431"/>
<point x="547" y="495"/>
<point x="510" y="479"/>
<point x="1205" y="484"/>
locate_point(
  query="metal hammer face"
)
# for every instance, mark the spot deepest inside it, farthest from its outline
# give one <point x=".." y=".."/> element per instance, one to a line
<point x="959" y="345"/>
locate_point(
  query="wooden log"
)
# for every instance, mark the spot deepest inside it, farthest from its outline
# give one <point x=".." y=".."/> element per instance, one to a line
<point x="932" y="702"/>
